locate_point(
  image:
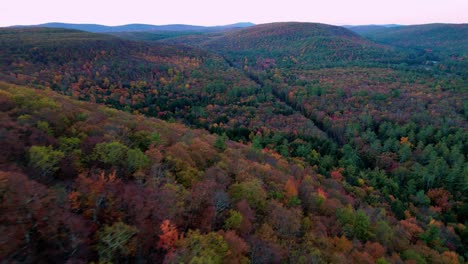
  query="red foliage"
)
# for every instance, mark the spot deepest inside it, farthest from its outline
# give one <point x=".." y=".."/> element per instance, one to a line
<point x="290" y="188"/>
<point x="440" y="198"/>
<point x="169" y="235"/>
<point x="238" y="248"/>
<point x="248" y="216"/>
<point x="336" y="174"/>
<point x="374" y="249"/>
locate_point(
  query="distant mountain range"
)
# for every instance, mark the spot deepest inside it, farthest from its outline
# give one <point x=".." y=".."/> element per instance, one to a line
<point x="363" y="29"/>
<point x="96" y="28"/>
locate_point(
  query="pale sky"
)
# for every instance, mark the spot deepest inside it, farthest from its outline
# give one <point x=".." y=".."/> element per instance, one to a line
<point x="219" y="12"/>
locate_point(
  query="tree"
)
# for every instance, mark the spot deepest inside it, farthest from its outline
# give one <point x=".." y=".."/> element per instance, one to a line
<point x="200" y="249"/>
<point x="290" y="188"/>
<point x="234" y="220"/>
<point x="220" y="142"/>
<point x="137" y="160"/>
<point x="169" y="236"/>
<point x="355" y="223"/>
<point x="252" y="191"/>
<point x="440" y="198"/>
<point x="45" y="159"/>
<point x="114" y="240"/>
<point x="286" y="222"/>
<point x="238" y="248"/>
<point x="361" y="225"/>
<point x="113" y="153"/>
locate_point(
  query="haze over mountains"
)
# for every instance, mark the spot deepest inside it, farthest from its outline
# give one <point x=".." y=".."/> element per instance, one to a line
<point x="284" y="142"/>
<point x="140" y="27"/>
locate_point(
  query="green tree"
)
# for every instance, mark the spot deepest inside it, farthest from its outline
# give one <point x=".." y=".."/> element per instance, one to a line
<point x="45" y="159"/>
<point x="202" y="249"/>
<point x="252" y="191"/>
<point x="234" y="220"/>
<point x="220" y="142"/>
<point x="69" y="144"/>
<point x="257" y="142"/>
<point x="136" y="160"/>
<point x="113" y="153"/>
<point x="361" y="225"/>
<point x="44" y="126"/>
<point x="412" y="255"/>
<point x="355" y="224"/>
<point x="114" y="240"/>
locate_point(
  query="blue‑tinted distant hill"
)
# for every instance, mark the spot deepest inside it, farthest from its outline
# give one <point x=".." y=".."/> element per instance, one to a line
<point x="140" y="27"/>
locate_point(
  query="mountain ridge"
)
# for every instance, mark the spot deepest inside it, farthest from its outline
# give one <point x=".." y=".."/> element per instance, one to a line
<point x="448" y="38"/>
<point x="98" y="28"/>
<point x="292" y="43"/>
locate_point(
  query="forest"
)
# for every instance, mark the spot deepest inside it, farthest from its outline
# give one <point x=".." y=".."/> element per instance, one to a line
<point x="275" y="143"/>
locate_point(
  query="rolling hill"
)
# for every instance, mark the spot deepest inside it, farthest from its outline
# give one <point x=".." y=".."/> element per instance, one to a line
<point x="450" y="39"/>
<point x="78" y="178"/>
<point x="325" y="147"/>
<point x="167" y="81"/>
<point x="140" y="27"/>
<point x="292" y="44"/>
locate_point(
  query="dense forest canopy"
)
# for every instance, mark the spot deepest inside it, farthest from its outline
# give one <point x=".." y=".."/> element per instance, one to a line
<point x="283" y="142"/>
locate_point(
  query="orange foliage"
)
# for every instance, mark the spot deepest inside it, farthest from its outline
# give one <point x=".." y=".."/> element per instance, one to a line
<point x="342" y="244"/>
<point x="361" y="257"/>
<point x="321" y="193"/>
<point x="405" y="141"/>
<point x="440" y="197"/>
<point x="169" y="235"/>
<point x="290" y="188"/>
<point x="375" y="249"/>
<point x="450" y="257"/>
<point x="412" y="229"/>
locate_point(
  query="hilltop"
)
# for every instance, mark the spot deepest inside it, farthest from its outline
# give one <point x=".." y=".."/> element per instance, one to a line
<point x="291" y="43"/>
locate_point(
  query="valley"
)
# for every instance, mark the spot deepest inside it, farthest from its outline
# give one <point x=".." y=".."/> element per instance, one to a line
<point x="274" y="143"/>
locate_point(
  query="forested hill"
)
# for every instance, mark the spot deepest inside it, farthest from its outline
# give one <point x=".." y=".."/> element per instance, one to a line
<point x="450" y="39"/>
<point x="292" y="44"/>
<point x="170" y="82"/>
<point x="325" y="148"/>
<point x="82" y="182"/>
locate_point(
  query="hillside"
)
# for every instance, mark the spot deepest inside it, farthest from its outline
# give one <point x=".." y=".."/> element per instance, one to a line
<point x="82" y="182"/>
<point x="315" y="156"/>
<point x="170" y="82"/>
<point x="292" y="44"/>
<point x="450" y="39"/>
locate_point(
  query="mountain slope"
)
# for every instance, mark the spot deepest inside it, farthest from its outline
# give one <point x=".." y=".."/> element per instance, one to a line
<point x="445" y="38"/>
<point x="82" y="182"/>
<point x="292" y="43"/>
<point x="171" y="82"/>
<point x="389" y="174"/>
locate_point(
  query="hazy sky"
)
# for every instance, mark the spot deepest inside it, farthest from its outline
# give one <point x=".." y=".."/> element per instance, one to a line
<point x="218" y="12"/>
